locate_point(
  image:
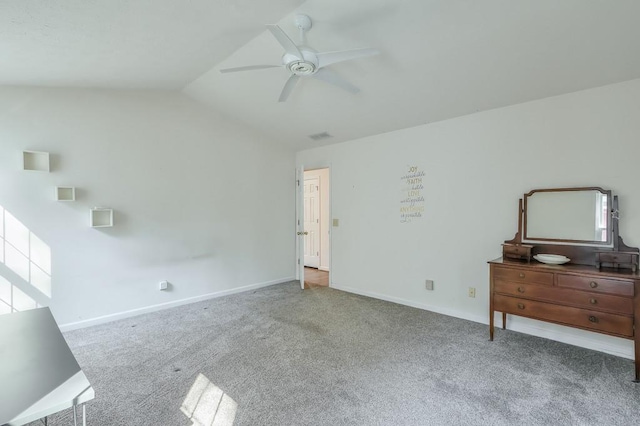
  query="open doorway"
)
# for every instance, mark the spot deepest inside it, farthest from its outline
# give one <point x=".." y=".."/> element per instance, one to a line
<point x="317" y="217"/>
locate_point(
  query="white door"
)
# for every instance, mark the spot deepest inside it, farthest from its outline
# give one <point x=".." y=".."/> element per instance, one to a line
<point x="300" y="225"/>
<point x="312" y="222"/>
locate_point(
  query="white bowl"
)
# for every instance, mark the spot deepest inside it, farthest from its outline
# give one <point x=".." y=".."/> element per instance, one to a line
<point x="551" y="259"/>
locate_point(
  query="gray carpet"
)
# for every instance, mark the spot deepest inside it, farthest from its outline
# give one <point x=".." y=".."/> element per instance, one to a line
<point x="326" y="357"/>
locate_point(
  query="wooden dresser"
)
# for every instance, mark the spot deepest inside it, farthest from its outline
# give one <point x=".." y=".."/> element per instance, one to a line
<point x="581" y="296"/>
<point x="589" y="278"/>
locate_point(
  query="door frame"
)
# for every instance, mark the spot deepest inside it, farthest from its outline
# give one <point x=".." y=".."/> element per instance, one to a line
<point x="299" y="214"/>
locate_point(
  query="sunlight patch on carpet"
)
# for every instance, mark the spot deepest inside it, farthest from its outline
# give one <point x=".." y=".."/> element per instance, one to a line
<point x="207" y="405"/>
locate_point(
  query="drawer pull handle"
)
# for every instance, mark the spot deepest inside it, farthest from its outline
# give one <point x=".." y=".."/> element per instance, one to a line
<point x="593" y="319"/>
<point x="520" y="290"/>
<point x="521" y="275"/>
<point x="520" y="306"/>
<point x="593" y="284"/>
<point x="593" y="301"/>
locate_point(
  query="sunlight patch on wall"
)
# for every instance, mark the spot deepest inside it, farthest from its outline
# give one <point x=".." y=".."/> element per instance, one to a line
<point x="26" y="255"/>
<point x="1" y="234"/>
<point x="207" y="405"/>
<point x="40" y="264"/>
<point x="12" y="299"/>
<point x="6" y="305"/>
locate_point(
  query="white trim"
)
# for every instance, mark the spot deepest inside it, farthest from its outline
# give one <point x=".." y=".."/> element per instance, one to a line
<point x="617" y="349"/>
<point x="321" y="166"/>
<point x="620" y="350"/>
<point x="331" y="186"/>
<point x="167" y="305"/>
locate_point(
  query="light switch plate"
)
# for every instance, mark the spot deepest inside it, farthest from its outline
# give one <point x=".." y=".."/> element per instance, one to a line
<point x="336" y="222"/>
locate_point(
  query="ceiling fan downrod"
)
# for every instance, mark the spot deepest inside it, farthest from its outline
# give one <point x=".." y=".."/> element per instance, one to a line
<point x="303" y="23"/>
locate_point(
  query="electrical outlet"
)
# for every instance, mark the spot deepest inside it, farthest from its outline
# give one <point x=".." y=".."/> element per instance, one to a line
<point x="429" y="284"/>
<point x="472" y="292"/>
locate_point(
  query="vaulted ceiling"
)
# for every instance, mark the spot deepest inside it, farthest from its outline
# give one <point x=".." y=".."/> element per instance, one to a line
<point x="439" y="58"/>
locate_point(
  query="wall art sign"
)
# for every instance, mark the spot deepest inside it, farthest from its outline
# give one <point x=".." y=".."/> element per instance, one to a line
<point x="411" y="197"/>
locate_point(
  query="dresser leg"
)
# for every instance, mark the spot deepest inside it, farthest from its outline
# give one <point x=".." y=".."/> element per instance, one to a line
<point x="491" y="325"/>
<point x="504" y="320"/>
<point x="636" y="327"/>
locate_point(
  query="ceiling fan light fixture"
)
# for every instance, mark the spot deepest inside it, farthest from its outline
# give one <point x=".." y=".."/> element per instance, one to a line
<point x="302" y="68"/>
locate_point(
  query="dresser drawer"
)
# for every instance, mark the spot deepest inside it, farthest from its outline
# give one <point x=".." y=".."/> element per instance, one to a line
<point x="600" y="285"/>
<point x="517" y="251"/>
<point x="616" y="257"/>
<point x="583" y="318"/>
<point x="522" y="275"/>
<point x="581" y="299"/>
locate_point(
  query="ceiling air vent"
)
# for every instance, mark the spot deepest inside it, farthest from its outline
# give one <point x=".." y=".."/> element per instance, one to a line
<point x="320" y="136"/>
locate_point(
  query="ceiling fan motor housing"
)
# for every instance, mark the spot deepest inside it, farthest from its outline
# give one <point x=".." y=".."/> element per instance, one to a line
<point x="307" y="65"/>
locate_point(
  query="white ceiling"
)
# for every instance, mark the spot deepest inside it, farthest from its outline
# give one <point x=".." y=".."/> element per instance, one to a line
<point x="440" y="58"/>
<point x="161" y="44"/>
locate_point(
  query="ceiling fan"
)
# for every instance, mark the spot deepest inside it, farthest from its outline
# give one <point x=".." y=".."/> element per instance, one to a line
<point x="303" y="61"/>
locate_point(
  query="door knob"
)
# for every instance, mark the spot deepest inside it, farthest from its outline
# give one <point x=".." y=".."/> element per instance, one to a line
<point x="302" y="233"/>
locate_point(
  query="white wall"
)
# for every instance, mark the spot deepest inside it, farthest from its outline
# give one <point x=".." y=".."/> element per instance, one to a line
<point x="193" y="198"/>
<point x="476" y="167"/>
<point x="325" y="215"/>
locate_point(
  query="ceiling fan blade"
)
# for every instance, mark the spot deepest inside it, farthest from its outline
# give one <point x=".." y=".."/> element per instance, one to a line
<point x="288" y="87"/>
<point x="284" y="40"/>
<point x="249" y="68"/>
<point x="328" y="58"/>
<point x="332" y="77"/>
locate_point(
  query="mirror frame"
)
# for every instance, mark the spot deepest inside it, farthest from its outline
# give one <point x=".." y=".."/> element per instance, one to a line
<point x="579" y="253"/>
<point x="609" y="227"/>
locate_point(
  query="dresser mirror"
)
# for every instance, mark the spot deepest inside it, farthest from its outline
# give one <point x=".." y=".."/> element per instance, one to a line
<point x="568" y="215"/>
<point x="577" y="225"/>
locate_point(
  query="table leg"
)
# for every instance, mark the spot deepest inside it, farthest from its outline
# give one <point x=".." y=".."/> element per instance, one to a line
<point x="504" y="320"/>
<point x="75" y="416"/>
<point x="84" y="416"/>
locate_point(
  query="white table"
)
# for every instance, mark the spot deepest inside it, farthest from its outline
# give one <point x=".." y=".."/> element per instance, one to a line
<point x="39" y="375"/>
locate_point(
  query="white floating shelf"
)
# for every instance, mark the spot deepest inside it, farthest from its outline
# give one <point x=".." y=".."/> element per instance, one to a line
<point x="35" y="160"/>
<point x="100" y="217"/>
<point x="65" y="193"/>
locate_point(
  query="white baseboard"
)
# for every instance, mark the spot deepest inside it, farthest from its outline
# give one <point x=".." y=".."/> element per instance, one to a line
<point x="424" y="306"/>
<point x="622" y="349"/>
<point x="323" y="268"/>
<point x="167" y="305"/>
